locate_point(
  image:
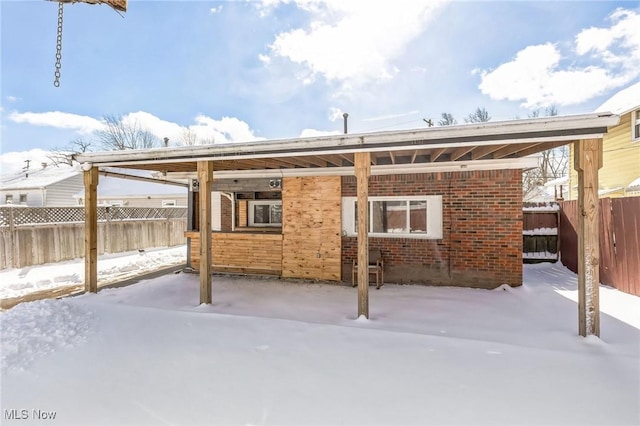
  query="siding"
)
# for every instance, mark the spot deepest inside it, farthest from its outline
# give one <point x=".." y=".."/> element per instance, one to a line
<point x="34" y="196"/>
<point x="620" y="160"/>
<point x="143" y="200"/>
<point x="60" y="194"/>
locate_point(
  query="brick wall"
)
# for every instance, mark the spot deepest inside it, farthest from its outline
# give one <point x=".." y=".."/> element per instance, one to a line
<point x="482" y="230"/>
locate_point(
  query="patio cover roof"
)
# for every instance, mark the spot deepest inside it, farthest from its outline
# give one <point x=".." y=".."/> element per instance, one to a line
<point x="424" y="147"/>
<point x="492" y="145"/>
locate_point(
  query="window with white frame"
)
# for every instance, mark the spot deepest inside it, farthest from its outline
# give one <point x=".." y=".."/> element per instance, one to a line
<point x="8" y="199"/>
<point x="265" y="213"/>
<point x="23" y="198"/>
<point x="114" y="203"/>
<point x="396" y="216"/>
<point x="635" y="125"/>
<point x="169" y="203"/>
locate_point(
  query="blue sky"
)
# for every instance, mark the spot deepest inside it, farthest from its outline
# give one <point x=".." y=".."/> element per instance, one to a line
<point x="238" y="71"/>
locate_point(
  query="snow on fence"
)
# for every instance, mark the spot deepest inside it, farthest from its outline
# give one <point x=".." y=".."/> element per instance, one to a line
<point x="540" y="222"/>
<point x="37" y="235"/>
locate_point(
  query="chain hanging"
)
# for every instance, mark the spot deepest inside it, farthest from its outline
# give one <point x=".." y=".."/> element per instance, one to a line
<point x="56" y="82"/>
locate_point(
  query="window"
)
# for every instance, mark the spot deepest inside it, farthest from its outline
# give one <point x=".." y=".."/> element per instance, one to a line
<point x="169" y="203"/>
<point x="265" y="213"/>
<point x="406" y="217"/>
<point x="635" y="125"/>
<point x="23" y="198"/>
<point x="8" y="199"/>
<point x="114" y="203"/>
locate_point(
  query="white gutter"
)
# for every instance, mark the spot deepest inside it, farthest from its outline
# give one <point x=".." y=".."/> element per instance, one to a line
<point x="539" y="129"/>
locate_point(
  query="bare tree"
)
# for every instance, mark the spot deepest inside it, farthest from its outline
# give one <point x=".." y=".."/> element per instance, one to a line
<point x="64" y="155"/>
<point x="120" y="135"/>
<point x="479" y="116"/>
<point x="554" y="163"/>
<point x="188" y="137"/>
<point x="447" y="120"/>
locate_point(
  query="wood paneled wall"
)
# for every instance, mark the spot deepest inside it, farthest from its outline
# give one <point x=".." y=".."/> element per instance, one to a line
<point x="311" y="226"/>
<point x="241" y="252"/>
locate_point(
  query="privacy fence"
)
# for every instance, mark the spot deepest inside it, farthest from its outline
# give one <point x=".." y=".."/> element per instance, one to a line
<point x="36" y="235"/>
<point x="619" y="241"/>
<point x="540" y="222"/>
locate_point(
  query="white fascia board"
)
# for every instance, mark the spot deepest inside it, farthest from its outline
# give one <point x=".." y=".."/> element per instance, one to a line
<point x="358" y="142"/>
<point x="389" y="169"/>
<point x="329" y="151"/>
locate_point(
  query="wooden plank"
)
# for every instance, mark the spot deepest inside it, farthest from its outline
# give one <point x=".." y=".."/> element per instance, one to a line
<point x="363" y="172"/>
<point x="91" y="230"/>
<point x="588" y="160"/>
<point x="249" y="252"/>
<point x="205" y="176"/>
<point x="311" y="228"/>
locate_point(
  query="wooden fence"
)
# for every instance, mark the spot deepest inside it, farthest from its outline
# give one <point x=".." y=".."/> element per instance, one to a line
<point x="619" y="241"/>
<point x="37" y="235"/>
<point x="540" y="240"/>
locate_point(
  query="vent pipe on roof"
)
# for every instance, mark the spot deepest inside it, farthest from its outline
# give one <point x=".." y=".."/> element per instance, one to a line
<point x="345" y="116"/>
<point x="44" y="165"/>
<point x="166" y="142"/>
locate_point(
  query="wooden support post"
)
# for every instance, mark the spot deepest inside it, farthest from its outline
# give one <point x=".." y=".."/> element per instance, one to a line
<point x="362" y="162"/>
<point x="205" y="176"/>
<point x="91" y="230"/>
<point x="587" y="161"/>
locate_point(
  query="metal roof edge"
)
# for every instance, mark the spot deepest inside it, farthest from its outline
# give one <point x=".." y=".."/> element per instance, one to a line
<point x="557" y="125"/>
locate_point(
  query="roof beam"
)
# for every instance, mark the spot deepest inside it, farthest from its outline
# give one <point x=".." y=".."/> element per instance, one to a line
<point x="457" y="153"/>
<point x="535" y="149"/>
<point x="481" y="152"/>
<point x="436" y="153"/>
<point x="512" y="149"/>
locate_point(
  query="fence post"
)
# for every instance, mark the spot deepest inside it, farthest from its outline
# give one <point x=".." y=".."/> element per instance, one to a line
<point x="12" y="236"/>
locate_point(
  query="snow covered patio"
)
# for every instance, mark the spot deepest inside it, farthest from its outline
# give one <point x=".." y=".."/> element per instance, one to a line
<point x="269" y="351"/>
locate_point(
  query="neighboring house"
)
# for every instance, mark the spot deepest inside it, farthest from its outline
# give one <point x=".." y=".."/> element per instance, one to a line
<point x="48" y="186"/>
<point x="121" y="192"/>
<point x="620" y="172"/>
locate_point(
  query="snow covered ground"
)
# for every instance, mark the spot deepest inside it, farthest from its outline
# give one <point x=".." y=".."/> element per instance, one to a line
<point x="111" y="268"/>
<point x="272" y="351"/>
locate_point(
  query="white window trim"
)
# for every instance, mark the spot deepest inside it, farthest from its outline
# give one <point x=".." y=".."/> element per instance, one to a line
<point x="253" y="203"/>
<point x="434" y="217"/>
<point x="635" y="121"/>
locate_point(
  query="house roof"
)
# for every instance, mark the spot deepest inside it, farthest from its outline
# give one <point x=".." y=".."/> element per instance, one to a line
<point x="623" y="101"/>
<point x="37" y="178"/>
<point x="418" y="148"/>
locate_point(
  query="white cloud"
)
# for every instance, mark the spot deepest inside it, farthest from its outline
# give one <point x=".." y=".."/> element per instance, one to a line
<point x="205" y="129"/>
<point x="13" y="98"/>
<point x="539" y="75"/>
<point x="351" y="42"/>
<point x="11" y="162"/>
<point x="215" y="10"/>
<point x="227" y="129"/>
<point x="335" y="113"/>
<point x="61" y="120"/>
<point x="309" y="133"/>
